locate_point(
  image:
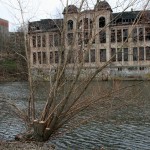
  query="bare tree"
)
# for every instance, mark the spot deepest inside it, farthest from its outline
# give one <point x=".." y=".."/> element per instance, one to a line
<point x="70" y="80"/>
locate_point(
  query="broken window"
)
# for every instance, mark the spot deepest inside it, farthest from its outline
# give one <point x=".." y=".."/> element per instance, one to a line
<point x="101" y="22"/>
<point x="56" y="57"/>
<point x="147" y="34"/>
<point x="43" y="41"/>
<point x="119" y="54"/>
<point x="34" y="58"/>
<point x="86" y="57"/>
<point x="39" y="58"/>
<point x="51" y="58"/>
<point x="86" y="23"/>
<point x="119" y="35"/>
<point x="39" y="40"/>
<point x="79" y="38"/>
<point x="102" y="55"/>
<point x="86" y="37"/>
<point x="80" y="25"/>
<point x="147" y="53"/>
<point x="34" y="41"/>
<point x="125" y="54"/>
<point x="92" y="55"/>
<point x="141" y="34"/>
<point x="51" y="40"/>
<point x="125" y="35"/>
<point x="70" y="25"/>
<point x="70" y="38"/>
<point x="135" y="54"/>
<point x="44" y="57"/>
<point x="56" y="39"/>
<point x="113" y="54"/>
<point x="102" y="37"/>
<point x="141" y="53"/>
<point x="113" y="36"/>
<point x="134" y="35"/>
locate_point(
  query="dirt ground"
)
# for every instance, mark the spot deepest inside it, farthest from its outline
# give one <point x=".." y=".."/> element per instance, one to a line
<point x="15" y="145"/>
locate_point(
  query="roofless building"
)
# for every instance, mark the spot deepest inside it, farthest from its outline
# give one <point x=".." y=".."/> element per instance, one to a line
<point x="123" y="38"/>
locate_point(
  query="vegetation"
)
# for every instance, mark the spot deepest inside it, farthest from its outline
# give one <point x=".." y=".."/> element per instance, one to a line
<point x="65" y="99"/>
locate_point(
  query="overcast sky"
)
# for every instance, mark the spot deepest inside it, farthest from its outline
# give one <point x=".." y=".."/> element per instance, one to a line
<point x="41" y="9"/>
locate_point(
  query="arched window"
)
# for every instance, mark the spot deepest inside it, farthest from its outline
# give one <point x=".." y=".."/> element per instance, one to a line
<point x="101" y="22"/>
<point x="70" y="25"/>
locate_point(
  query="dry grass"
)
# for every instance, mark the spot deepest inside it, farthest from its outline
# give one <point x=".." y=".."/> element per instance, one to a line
<point x="15" y="145"/>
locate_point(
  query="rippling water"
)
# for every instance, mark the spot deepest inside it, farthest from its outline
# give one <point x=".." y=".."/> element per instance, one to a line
<point x="127" y="128"/>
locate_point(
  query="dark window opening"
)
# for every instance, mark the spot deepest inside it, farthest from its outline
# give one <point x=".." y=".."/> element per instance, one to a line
<point x="113" y="36"/>
<point x="56" y="39"/>
<point x="125" y="54"/>
<point x="119" y="35"/>
<point x="56" y="57"/>
<point x="79" y="38"/>
<point x="34" y="41"/>
<point x="119" y="54"/>
<point x="147" y="34"/>
<point x="142" y="68"/>
<point x="86" y="57"/>
<point x="34" y="58"/>
<point x="141" y="34"/>
<point x="51" y="40"/>
<point x="135" y="54"/>
<point x="44" y="57"/>
<point x="70" y="38"/>
<point x="113" y="54"/>
<point x="51" y="58"/>
<point x="92" y="55"/>
<point x="102" y="37"/>
<point x="39" y="41"/>
<point x="147" y="53"/>
<point x="141" y="53"/>
<point x="43" y="41"/>
<point x="125" y="35"/>
<point x="70" y="25"/>
<point x="102" y="55"/>
<point x="119" y="21"/>
<point x="80" y="25"/>
<point x="101" y="22"/>
<point x="134" y="35"/>
<point x="119" y="68"/>
<point x="86" y="38"/>
<point x="39" y="57"/>
<point x="85" y="23"/>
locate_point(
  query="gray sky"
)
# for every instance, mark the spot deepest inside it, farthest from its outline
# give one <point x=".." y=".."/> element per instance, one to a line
<point x="41" y="9"/>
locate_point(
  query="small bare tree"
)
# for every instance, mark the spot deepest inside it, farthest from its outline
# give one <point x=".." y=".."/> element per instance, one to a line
<point x="67" y="97"/>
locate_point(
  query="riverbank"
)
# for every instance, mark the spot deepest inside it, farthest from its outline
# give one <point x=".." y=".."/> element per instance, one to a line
<point x="15" y="145"/>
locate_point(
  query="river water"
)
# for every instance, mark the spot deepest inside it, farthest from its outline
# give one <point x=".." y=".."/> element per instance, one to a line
<point x="126" y="127"/>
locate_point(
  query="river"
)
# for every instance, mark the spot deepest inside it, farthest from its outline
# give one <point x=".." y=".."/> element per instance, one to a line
<point x="128" y="126"/>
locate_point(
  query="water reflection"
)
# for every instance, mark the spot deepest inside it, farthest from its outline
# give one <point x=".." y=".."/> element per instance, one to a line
<point x="127" y="125"/>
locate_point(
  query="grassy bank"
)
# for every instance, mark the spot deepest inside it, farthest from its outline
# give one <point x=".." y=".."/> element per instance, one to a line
<point x="12" y="70"/>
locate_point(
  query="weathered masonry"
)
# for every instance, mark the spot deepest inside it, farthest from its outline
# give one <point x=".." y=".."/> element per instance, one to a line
<point x="122" y="37"/>
<point x="3" y="36"/>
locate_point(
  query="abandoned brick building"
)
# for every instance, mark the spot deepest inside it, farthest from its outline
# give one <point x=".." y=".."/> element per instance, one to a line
<point x="123" y="38"/>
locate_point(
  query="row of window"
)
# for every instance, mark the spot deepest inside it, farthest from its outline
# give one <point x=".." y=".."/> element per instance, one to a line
<point x="40" y="40"/>
<point x="138" y="54"/>
<point x="86" y="24"/>
<point x="120" y="35"/>
<point x="117" y="35"/>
